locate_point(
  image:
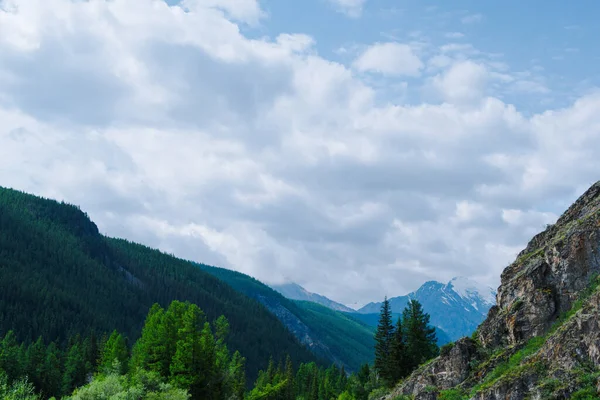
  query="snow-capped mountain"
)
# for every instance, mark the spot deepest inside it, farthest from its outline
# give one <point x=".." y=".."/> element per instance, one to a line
<point x="481" y="296"/>
<point x="294" y="291"/>
<point x="456" y="307"/>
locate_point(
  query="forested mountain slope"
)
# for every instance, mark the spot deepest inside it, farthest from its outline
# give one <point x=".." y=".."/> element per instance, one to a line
<point x="330" y="334"/>
<point x="60" y="277"/>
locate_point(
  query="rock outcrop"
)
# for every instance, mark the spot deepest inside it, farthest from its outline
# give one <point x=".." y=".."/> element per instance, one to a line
<point x="542" y="339"/>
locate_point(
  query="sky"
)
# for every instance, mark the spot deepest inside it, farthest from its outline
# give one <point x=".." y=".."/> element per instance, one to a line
<point x="356" y="147"/>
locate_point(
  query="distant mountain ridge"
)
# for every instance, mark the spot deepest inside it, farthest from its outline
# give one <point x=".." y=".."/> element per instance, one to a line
<point x="294" y="291"/>
<point x="330" y="334"/>
<point x="456" y="307"/>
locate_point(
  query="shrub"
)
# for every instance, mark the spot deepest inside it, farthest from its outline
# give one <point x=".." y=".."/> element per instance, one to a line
<point x="445" y="349"/>
<point x="452" y="394"/>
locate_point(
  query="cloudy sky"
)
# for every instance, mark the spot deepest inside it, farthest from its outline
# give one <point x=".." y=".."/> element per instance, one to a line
<point x="356" y="147"/>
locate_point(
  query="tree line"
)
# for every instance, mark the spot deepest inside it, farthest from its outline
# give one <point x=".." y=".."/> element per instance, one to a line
<point x="59" y="277"/>
<point x="401" y="348"/>
<point x="181" y="355"/>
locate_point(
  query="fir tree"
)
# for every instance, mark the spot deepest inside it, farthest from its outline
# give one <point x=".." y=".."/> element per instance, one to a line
<point x="398" y="354"/>
<point x="237" y="377"/>
<point x="383" y="342"/>
<point x="187" y="370"/>
<point x="74" y="369"/>
<point x="51" y="371"/>
<point x="421" y="342"/>
<point x="115" y="349"/>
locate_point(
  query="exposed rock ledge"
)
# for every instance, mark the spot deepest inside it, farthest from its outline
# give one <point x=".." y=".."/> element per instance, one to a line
<point x="539" y="287"/>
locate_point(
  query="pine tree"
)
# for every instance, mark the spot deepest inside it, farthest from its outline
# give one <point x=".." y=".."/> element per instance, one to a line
<point x="149" y="352"/>
<point x="115" y="349"/>
<point x="237" y="377"/>
<point x="289" y="377"/>
<point x="421" y="343"/>
<point x="34" y="361"/>
<point x="10" y="357"/>
<point x="74" y="369"/>
<point x="92" y="352"/>
<point x="51" y="372"/>
<point x="187" y="370"/>
<point x="398" y="354"/>
<point x="383" y="342"/>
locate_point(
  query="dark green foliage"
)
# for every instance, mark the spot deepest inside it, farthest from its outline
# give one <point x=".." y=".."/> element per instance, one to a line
<point x="421" y="342"/>
<point x="399" y="367"/>
<point x="74" y="368"/>
<point x="59" y="277"/>
<point x="383" y="343"/>
<point x="115" y="352"/>
<point x="400" y="350"/>
<point x="452" y="394"/>
<point x="445" y="349"/>
<point x="50" y="370"/>
<point x="309" y="382"/>
<point x="20" y="389"/>
<point x="349" y="341"/>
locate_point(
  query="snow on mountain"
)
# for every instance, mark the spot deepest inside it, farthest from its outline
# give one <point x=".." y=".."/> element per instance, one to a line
<point x="469" y="289"/>
<point x="457" y="307"/>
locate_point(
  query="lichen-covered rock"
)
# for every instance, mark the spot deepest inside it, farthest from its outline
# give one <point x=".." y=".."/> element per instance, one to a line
<point x="513" y="389"/>
<point x="446" y="371"/>
<point x="577" y="341"/>
<point x="547" y="276"/>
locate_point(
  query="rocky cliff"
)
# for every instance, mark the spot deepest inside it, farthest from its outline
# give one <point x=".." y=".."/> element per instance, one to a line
<point x="542" y="339"/>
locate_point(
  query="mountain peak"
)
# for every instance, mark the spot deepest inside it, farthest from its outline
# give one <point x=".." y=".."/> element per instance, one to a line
<point x="468" y="288"/>
<point x="456" y="307"/>
<point x="294" y="291"/>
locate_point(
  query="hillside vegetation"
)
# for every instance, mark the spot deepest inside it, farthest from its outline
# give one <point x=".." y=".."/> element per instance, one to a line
<point x="331" y="334"/>
<point x="60" y="277"/>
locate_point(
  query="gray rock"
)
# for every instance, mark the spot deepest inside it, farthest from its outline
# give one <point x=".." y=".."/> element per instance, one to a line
<point x="542" y="284"/>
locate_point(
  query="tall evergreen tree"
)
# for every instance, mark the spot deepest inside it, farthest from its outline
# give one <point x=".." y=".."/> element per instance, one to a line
<point x="237" y="377"/>
<point x="421" y="342"/>
<point x="74" y="369"/>
<point x="51" y="372"/>
<point x="383" y="342"/>
<point x="34" y="361"/>
<point x="187" y="367"/>
<point x="289" y="377"/>
<point x="398" y="353"/>
<point x="115" y="349"/>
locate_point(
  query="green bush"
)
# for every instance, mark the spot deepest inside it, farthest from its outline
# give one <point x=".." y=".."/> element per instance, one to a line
<point x="18" y="390"/>
<point x="452" y="394"/>
<point x="378" y="393"/>
<point x="445" y="349"/>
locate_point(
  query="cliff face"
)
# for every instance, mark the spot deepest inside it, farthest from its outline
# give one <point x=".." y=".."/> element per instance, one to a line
<point x="542" y="339"/>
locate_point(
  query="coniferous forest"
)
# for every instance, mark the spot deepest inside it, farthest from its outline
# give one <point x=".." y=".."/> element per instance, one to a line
<point x="83" y="316"/>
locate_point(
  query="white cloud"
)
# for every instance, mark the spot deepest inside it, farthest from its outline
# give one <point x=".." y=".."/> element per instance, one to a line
<point x="454" y="35"/>
<point x="173" y="128"/>
<point x="464" y="81"/>
<point x="471" y="19"/>
<point x="352" y="8"/>
<point x="389" y="59"/>
<point x="247" y="11"/>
